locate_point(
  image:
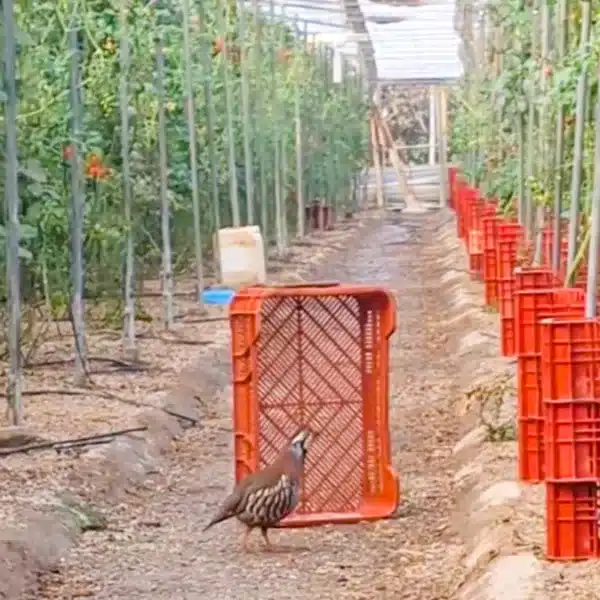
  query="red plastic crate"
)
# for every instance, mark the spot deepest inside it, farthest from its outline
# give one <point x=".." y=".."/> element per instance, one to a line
<point x="490" y="266"/>
<point x="572" y="514"/>
<point x="316" y="212"/>
<point x="459" y="188"/>
<point x="508" y="238"/>
<point x="469" y="196"/>
<point x="547" y="242"/>
<point x="564" y="250"/>
<point x="316" y="356"/>
<point x="581" y="278"/>
<point x="479" y="211"/>
<point x="472" y="199"/>
<point x="507" y="316"/>
<point x="571" y="394"/>
<point x="527" y="278"/>
<point x="531" y="306"/>
<point x="530" y="459"/>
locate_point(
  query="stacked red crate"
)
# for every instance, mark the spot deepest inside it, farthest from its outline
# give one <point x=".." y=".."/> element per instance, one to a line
<point x="479" y="212"/>
<point x="464" y="194"/>
<point x="570" y="361"/>
<point x="533" y="302"/>
<point x="509" y="235"/>
<point x="490" y="260"/>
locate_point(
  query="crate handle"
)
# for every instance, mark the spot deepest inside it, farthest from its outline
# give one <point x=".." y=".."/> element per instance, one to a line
<point x="305" y="284"/>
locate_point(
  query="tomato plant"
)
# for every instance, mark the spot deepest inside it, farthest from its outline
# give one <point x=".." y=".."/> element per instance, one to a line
<point x="331" y="114"/>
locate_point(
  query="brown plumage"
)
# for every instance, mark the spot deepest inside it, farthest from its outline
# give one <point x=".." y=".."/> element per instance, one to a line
<point x="264" y="498"/>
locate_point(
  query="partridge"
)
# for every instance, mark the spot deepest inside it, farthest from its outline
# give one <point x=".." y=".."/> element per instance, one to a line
<point x="264" y="498"/>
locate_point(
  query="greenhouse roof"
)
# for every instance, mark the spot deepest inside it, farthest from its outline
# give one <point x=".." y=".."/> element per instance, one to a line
<point x="406" y="45"/>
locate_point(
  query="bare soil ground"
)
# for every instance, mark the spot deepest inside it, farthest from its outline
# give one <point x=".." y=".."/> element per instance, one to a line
<point x="153" y="547"/>
<point x="119" y="391"/>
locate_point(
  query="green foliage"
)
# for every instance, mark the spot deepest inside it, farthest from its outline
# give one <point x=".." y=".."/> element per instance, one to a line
<point x="484" y="133"/>
<point x="334" y="121"/>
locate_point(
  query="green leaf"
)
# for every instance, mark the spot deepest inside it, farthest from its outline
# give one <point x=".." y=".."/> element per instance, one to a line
<point x="35" y="189"/>
<point x="33" y="170"/>
<point x="28" y="232"/>
<point x="25" y="254"/>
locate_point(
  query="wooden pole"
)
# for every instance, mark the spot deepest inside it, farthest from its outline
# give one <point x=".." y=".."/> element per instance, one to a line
<point x="432" y="126"/>
<point x="377" y="163"/>
<point x="440" y="134"/>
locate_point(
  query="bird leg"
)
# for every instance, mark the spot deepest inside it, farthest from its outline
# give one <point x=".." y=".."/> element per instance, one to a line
<point x="246" y="536"/>
<point x="265" y="534"/>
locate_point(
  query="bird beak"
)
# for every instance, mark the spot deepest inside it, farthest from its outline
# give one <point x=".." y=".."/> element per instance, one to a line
<point x="305" y="436"/>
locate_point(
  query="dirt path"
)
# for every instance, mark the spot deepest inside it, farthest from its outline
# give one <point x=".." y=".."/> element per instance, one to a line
<point x="153" y="548"/>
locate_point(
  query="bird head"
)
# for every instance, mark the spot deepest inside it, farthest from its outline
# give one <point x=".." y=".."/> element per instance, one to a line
<point x="300" y="443"/>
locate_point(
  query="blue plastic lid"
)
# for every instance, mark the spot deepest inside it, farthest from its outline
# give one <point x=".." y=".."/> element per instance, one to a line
<point x="217" y="295"/>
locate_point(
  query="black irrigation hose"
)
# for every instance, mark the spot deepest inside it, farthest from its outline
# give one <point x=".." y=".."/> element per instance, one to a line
<point x="74" y="442"/>
<point x="92" y="440"/>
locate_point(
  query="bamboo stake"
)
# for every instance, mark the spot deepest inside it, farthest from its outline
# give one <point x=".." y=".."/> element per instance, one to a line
<point x="246" y="127"/>
<point x="579" y="139"/>
<point x="260" y="146"/>
<point x="210" y="122"/>
<point x="129" y="345"/>
<point x="279" y="213"/>
<point x="545" y="158"/>
<point x="77" y="205"/>
<point x="167" y="267"/>
<point x="233" y="182"/>
<point x="562" y="26"/>
<point x="530" y="141"/>
<point x="592" y="274"/>
<point x="14" y="405"/>
<point x="300" y="224"/>
<point x="191" y="120"/>
<point x="283" y="141"/>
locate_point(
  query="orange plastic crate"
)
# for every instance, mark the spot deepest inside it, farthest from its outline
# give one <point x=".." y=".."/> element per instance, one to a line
<point x="530" y="463"/>
<point x="572" y="521"/>
<point x="531" y="306"/>
<point x="490" y="266"/>
<point x="508" y="241"/>
<point x="571" y="394"/>
<point x="467" y="196"/>
<point x="548" y="245"/>
<point x="507" y="316"/>
<point x="317" y="356"/>
<point x="472" y="198"/>
<point x="528" y="278"/>
<point x="476" y="245"/>
<point x="460" y="187"/>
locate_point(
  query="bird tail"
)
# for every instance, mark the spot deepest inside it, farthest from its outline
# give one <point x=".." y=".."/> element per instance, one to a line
<point x="217" y="519"/>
